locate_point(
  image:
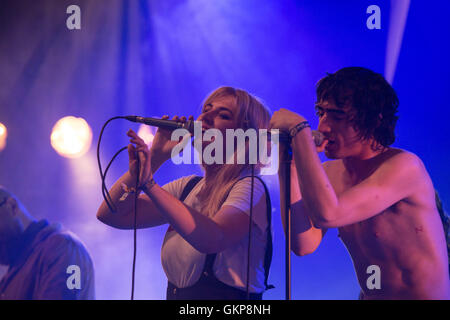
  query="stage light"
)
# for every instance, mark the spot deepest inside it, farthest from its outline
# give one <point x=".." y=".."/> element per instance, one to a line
<point x="147" y="133"/>
<point x="397" y="23"/>
<point x="71" y="137"/>
<point x="3" y="135"/>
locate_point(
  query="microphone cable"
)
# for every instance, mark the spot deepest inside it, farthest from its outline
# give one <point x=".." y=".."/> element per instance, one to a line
<point x="136" y="195"/>
<point x="108" y="199"/>
<point x="113" y="209"/>
<point x="105" y="191"/>
<point x="250" y="232"/>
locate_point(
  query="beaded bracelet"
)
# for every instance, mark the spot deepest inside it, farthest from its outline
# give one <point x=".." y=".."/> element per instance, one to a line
<point x="297" y="128"/>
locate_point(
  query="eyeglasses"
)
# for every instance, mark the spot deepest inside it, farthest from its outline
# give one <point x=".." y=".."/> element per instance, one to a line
<point x="4" y="201"/>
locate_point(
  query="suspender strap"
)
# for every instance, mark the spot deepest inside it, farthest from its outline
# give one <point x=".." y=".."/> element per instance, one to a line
<point x="269" y="248"/>
<point x="189" y="186"/>
<point x="210" y="258"/>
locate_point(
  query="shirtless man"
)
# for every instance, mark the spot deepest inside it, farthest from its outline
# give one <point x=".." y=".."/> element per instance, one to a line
<point x="380" y="198"/>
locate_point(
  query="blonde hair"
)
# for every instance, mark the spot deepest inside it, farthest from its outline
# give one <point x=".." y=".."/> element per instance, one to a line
<point x="251" y="114"/>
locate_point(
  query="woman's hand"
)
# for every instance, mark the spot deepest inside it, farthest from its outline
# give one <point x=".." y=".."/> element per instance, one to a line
<point x="141" y="152"/>
<point x="162" y="145"/>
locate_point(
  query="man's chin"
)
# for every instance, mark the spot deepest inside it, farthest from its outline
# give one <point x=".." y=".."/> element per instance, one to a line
<point x="331" y="155"/>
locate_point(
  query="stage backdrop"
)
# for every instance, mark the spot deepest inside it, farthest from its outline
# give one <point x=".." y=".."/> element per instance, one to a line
<point x="150" y="58"/>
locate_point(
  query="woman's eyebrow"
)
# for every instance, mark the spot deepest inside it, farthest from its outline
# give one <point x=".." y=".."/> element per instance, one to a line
<point x="225" y="109"/>
<point x="220" y="108"/>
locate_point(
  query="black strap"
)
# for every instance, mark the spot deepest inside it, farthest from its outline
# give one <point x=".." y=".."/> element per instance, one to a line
<point x="269" y="248"/>
<point x="187" y="189"/>
<point x="210" y="258"/>
<point x="189" y="186"/>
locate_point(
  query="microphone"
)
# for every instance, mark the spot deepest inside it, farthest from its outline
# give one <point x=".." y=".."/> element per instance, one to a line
<point x="189" y="126"/>
<point x="161" y="123"/>
<point x="318" y="137"/>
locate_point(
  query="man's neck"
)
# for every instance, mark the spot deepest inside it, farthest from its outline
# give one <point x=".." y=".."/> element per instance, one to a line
<point x="26" y="220"/>
<point x="364" y="160"/>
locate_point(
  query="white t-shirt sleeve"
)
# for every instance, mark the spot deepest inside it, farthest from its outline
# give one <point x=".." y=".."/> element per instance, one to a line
<point x="176" y="187"/>
<point x="239" y="197"/>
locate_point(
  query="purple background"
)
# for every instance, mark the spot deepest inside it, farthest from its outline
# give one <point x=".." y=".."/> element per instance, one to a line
<point x="153" y="58"/>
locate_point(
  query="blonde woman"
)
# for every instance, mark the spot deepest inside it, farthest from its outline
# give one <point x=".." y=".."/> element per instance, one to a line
<point x="205" y="253"/>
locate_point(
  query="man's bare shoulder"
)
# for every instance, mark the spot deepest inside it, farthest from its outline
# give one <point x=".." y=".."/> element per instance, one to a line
<point x="403" y="155"/>
<point x="393" y="158"/>
<point x="399" y="161"/>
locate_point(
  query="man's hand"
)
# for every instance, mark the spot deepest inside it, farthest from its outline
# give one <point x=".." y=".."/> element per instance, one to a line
<point x="284" y="120"/>
<point x="321" y="148"/>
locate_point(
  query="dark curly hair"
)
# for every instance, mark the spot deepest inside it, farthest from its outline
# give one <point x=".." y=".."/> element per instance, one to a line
<point x="373" y="100"/>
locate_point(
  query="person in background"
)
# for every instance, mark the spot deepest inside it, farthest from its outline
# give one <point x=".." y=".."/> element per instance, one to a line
<point x="44" y="261"/>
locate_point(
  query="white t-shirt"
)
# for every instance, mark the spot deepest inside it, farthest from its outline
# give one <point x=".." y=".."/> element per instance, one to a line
<point x="183" y="264"/>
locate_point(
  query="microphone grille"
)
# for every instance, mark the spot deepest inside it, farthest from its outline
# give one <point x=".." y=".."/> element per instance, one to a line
<point x="317" y="137"/>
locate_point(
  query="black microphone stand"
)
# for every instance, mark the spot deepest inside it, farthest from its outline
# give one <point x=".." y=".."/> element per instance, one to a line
<point x="287" y="157"/>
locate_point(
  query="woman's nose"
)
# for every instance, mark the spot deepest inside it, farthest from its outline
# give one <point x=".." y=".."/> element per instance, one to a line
<point x="206" y="117"/>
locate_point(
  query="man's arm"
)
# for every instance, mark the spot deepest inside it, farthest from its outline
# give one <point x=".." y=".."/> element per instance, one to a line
<point x="305" y="238"/>
<point x="397" y="178"/>
<point x="66" y="272"/>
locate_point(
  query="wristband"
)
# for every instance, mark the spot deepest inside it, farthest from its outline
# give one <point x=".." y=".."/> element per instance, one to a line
<point x="148" y="185"/>
<point x="297" y="128"/>
<point x="126" y="191"/>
